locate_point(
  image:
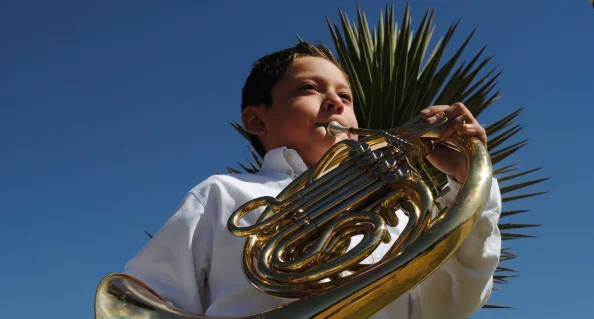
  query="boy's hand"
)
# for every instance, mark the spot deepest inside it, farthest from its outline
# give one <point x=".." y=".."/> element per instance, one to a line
<point x="443" y="158"/>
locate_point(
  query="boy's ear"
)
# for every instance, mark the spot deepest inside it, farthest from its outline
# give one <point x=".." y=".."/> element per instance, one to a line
<point x="252" y="118"/>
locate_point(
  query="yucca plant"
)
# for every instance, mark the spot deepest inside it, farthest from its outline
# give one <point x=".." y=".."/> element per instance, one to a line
<point x="393" y="79"/>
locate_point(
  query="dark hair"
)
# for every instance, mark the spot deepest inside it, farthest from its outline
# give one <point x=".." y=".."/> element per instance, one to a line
<point x="268" y="70"/>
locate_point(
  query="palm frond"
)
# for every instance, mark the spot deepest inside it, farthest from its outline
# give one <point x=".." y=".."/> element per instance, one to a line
<point x="511" y="188"/>
<point x="240" y="129"/>
<point x="501" y="138"/>
<point x="515" y="226"/>
<point x="497" y="307"/>
<point x="513" y="212"/>
<point x="513" y="198"/>
<point x="510" y="177"/>
<point x="500" y="269"/>
<point x="502" y="123"/>
<point x="506" y="169"/>
<point x="509" y="236"/>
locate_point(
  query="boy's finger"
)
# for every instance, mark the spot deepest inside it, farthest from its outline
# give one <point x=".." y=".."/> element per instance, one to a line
<point x="457" y="110"/>
<point x="470" y="129"/>
<point x="450" y="126"/>
<point x="433" y="111"/>
<point x="475" y="130"/>
<point x="453" y="111"/>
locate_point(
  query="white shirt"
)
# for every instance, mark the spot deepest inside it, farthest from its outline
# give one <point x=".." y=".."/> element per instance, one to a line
<point x="194" y="262"/>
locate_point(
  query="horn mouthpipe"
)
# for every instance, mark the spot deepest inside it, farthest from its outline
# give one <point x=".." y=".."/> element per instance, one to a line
<point x="334" y="129"/>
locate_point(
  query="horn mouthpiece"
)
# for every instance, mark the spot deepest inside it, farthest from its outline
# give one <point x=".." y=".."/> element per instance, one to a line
<point x="334" y="128"/>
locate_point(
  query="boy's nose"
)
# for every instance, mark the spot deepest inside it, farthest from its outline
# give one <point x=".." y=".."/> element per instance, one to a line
<point x="333" y="104"/>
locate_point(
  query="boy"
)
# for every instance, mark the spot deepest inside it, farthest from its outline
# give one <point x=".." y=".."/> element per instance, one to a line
<point x="289" y="97"/>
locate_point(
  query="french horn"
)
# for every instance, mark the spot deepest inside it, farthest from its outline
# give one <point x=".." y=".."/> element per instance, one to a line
<point x="298" y="248"/>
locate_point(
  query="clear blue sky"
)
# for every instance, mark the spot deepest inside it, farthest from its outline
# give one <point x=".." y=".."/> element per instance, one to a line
<point x="110" y="111"/>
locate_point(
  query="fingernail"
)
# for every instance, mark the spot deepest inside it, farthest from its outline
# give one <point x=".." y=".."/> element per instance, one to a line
<point x="432" y="119"/>
<point x="425" y="112"/>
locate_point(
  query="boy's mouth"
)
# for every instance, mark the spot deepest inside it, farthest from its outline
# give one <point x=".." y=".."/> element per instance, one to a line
<point x="325" y="125"/>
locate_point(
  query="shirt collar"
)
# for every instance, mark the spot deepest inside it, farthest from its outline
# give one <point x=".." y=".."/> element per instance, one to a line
<point x="284" y="160"/>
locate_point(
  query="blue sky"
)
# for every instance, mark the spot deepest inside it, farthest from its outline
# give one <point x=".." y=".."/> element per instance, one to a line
<point x="110" y="111"/>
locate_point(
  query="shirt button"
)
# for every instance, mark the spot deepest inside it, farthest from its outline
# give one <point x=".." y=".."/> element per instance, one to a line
<point x="290" y="172"/>
<point x="288" y="155"/>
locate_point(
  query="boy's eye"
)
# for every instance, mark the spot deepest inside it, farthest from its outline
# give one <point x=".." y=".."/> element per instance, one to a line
<point x="346" y="96"/>
<point x="308" y="86"/>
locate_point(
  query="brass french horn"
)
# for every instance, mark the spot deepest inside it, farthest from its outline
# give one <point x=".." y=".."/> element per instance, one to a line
<point x="299" y="246"/>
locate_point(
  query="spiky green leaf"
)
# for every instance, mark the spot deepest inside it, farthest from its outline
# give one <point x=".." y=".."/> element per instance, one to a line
<point x="515" y="226"/>
<point x="513" y="212"/>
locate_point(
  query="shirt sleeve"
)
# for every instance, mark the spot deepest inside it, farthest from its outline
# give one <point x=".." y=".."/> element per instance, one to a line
<point x="462" y="285"/>
<point x="175" y="261"/>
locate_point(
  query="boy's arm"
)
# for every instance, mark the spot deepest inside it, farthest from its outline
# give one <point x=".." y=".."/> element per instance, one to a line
<point x="175" y="261"/>
<point x="463" y="284"/>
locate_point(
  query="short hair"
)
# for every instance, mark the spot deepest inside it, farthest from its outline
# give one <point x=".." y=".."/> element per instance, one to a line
<point x="268" y="70"/>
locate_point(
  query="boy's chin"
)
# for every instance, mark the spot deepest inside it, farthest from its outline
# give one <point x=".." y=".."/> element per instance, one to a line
<point x="338" y="139"/>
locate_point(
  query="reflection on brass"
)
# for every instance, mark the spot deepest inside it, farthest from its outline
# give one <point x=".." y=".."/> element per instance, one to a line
<point x="298" y="248"/>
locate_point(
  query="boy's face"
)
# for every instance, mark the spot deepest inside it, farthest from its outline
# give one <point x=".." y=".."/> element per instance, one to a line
<point x="312" y="93"/>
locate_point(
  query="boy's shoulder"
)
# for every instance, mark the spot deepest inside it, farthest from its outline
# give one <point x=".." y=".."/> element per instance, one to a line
<point x="238" y="187"/>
